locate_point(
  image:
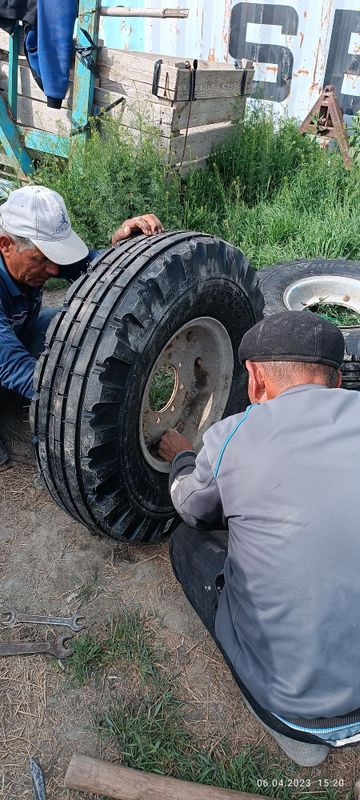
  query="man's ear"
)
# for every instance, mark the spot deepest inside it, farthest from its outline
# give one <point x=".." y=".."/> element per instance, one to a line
<point x="5" y="244"/>
<point x="256" y="388"/>
<point x="339" y="379"/>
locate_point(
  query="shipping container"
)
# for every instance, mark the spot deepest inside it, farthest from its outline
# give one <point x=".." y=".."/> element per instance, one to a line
<point x="298" y="46"/>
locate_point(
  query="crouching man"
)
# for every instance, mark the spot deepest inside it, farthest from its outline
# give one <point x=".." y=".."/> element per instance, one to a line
<point x="37" y="242"/>
<point x="279" y="591"/>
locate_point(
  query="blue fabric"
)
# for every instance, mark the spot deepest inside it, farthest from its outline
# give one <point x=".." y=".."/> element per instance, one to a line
<point x="228" y="439"/>
<point x="337" y="733"/>
<point x="21" y="325"/>
<point x="49" y="48"/>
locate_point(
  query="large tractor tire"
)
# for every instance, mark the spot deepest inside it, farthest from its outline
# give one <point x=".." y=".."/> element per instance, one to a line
<point x="295" y="285"/>
<point x="172" y="308"/>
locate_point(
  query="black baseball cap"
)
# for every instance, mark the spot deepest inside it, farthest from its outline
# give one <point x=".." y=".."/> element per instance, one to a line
<point x="294" y="336"/>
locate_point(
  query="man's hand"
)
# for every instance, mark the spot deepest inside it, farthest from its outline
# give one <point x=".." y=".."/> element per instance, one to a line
<point x="172" y="443"/>
<point x="147" y="224"/>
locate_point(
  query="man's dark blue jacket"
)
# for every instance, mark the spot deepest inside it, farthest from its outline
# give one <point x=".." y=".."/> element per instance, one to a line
<point x="18" y="315"/>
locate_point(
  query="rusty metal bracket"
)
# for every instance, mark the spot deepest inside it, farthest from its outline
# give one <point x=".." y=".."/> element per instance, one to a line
<point x="325" y="119"/>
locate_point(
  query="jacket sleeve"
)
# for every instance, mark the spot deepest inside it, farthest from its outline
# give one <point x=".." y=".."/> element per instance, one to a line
<point x="55" y="46"/>
<point x="16" y="364"/>
<point x="194" y="491"/>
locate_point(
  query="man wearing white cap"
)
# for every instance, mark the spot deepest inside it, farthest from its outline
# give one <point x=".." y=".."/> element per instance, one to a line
<point x="37" y="242"/>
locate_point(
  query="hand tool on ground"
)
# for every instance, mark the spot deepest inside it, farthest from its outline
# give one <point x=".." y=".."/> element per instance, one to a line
<point x="14" y="617"/>
<point x="53" y="647"/>
<point x="38" y="782"/>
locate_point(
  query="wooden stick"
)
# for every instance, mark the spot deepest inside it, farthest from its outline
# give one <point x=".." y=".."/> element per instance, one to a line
<point x="103" y="778"/>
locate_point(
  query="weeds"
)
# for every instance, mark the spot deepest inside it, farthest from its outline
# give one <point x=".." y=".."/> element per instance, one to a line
<point x="52" y="284"/>
<point x="162" y="387"/>
<point x="87" y="591"/>
<point x="112" y="180"/>
<point x="268" y="190"/>
<point x="340" y="316"/>
<point x="86" y="658"/>
<point x="126" y="641"/>
<point x="150" y="734"/>
<point x="129" y="642"/>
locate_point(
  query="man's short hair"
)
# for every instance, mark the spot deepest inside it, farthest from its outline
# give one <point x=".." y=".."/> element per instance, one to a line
<point x="286" y="374"/>
<point x="19" y="241"/>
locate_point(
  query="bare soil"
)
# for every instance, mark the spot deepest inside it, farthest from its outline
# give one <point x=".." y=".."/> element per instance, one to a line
<point x="49" y="563"/>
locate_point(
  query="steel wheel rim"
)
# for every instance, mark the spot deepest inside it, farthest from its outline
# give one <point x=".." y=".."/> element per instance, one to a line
<point x="320" y="289"/>
<point x="201" y="354"/>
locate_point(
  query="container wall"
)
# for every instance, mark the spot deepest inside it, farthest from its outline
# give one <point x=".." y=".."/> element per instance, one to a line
<point x="298" y="46"/>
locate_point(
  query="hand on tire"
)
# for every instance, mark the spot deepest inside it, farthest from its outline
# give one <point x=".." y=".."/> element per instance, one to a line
<point x="148" y="224"/>
<point x="171" y="444"/>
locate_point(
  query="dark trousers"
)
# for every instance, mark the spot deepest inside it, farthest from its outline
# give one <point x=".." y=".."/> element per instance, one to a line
<point x="197" y="559"/>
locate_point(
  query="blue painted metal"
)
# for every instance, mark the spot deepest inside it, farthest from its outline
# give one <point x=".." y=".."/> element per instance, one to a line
<point x="119" y="33"/>
<point x="83" y="94"/>
<point x="13" y="70"/>
<point x="45" y="142"/>
<point x="11" y="142"/>
<point x="83" y="91"/>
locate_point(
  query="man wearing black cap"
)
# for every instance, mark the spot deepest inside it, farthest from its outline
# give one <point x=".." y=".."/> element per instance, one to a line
<point x="280" y="591"/>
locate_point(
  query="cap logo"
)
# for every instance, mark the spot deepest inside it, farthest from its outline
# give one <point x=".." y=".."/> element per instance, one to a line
<point x="63" y="223"/>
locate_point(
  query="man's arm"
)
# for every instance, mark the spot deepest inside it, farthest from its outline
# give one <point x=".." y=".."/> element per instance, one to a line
<point x="194" y="491"/>
<point x="16" y="363"/>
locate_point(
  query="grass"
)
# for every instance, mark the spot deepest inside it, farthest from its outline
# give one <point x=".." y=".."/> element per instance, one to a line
<point x="52" y="284"/>
<point x="126" y="641"/>
<point x="162" y="387"/>
<point x="115" y="180"/>
<point x="149" y="730"/>
<point x="268" y="190"/>
<point x="339" y="315"/>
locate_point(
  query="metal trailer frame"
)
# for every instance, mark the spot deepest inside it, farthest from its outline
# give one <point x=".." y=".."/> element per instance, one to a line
<point x="17" y="139"/>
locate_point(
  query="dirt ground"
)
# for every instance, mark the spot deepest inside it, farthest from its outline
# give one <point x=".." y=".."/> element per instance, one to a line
<point x="49" y="563"/>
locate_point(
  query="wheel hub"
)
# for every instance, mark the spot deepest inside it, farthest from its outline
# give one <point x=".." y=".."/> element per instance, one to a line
<point x="198" y="362"/>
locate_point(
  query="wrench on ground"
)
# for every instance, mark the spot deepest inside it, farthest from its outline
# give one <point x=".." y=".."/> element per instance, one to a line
<point x="13" y="617"/>
<point x="54" y="647"/>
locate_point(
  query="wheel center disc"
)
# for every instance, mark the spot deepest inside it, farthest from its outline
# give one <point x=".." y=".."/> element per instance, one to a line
<point x="188" y="387"/>
<point x="321" y="290"/>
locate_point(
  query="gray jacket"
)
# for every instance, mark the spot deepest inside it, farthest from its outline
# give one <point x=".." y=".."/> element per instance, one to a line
<point x="284" y="477"/>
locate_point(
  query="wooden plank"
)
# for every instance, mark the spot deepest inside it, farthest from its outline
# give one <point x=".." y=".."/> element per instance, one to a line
<point x="36" y="114"/>
<point x="137" y="101"/>
<point x="174" y="84"/>
<point x="27" y="86"/>
<point x="121" y="783"/>
<point x="140" y="100"/>
<point x="116" y="65"/>
<point x="210" y="83"/>
<point x="179" y="61"/>
<point x="200" y="141"/>
<point x="207" y="112"/>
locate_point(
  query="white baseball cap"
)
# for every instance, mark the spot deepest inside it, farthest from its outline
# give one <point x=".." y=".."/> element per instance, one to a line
<point x="39" y="214"/>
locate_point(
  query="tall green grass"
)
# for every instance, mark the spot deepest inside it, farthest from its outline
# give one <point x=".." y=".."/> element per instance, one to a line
<point x="110" y="179"/>
<point x="268" y="190"/>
